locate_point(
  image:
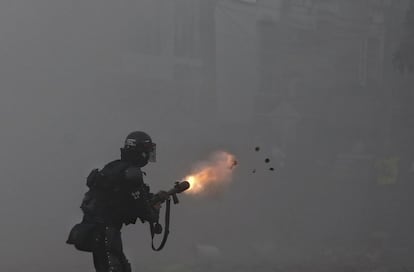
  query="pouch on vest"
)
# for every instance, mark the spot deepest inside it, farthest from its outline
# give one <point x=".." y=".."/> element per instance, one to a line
<point x="83" y="236"/>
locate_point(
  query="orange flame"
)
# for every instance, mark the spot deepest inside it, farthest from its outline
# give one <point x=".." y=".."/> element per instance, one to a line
<point x="212" y="175"/>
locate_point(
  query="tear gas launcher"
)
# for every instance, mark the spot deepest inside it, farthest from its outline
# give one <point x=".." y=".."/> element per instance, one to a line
<point x="163" y="196"/>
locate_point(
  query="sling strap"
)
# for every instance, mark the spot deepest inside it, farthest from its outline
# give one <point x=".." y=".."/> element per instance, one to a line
<point x="166" y="228"/>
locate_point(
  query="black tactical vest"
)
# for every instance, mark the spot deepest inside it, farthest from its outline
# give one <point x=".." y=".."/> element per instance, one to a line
<point x="113" y="198"/>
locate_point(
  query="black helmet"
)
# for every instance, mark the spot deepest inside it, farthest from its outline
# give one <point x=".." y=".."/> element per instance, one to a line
<point x="139" y="148"/>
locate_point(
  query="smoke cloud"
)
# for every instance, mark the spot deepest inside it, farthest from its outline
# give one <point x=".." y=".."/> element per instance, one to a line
<point x="212" y="176"/>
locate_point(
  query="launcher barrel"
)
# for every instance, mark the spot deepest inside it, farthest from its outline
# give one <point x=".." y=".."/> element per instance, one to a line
<point x="177" y="189"/>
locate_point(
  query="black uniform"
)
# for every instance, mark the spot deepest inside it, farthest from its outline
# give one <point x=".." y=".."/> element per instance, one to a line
<point x="117" y="196"/>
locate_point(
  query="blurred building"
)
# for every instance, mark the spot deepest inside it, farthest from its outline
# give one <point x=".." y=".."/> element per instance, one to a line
<point x="324" y="58"/>
<point x="314" y="79"/>
<point x="315" y="69"/>
<point x="170" y="54"/>
<point x="313" y="76"/>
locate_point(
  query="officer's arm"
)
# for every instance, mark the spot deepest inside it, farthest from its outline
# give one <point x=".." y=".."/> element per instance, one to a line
<point x="141" y="195"/>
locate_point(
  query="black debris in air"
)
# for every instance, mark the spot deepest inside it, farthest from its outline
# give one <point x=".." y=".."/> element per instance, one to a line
<point x="233" y="164"/>
<point x="267" y="160"/>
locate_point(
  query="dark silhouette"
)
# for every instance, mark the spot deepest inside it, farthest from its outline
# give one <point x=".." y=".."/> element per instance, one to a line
<point x="117" y="196"/>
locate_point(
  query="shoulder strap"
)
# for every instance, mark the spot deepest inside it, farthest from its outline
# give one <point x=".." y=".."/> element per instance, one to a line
<point x="166" y="228"/>
<point x="107" y="176"/>
<point x="114" y="168"/>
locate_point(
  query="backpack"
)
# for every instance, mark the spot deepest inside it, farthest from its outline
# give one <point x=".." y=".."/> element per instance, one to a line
<point x="85" y="234"/>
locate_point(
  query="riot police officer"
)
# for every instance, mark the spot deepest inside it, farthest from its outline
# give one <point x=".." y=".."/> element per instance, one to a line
<point x="117" y="196"/>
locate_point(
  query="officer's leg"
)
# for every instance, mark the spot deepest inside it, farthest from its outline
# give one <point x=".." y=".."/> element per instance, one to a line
<point x="118" y="254"/>
<point x="127" y="266"/>
<point x="113" y="253"/>
<point x="100" y="261"/>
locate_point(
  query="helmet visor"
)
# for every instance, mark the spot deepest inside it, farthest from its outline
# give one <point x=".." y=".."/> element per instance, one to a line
<point x="151" y="149"/>
<point x="153" y="154"/>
